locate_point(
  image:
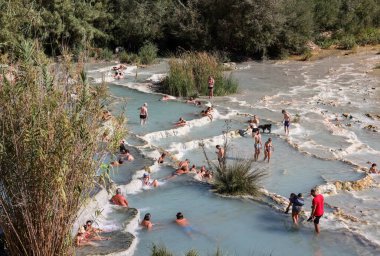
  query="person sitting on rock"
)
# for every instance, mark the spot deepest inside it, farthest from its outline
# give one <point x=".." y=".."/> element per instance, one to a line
<point x="161" y="159"/>
<point x="180" y="122"/>
<point x="122" y="147"/>
<point x="184" y="164"/>
<point x="119" y="199"/>
<point x="80" y="238"/>
<point x="193" y="169"/>
<point x="92" y="233"/>
<point x="146" y="180"/>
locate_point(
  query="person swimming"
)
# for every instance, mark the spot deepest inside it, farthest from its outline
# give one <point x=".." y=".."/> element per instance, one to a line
<point x="120" y="161"/>
<point x="127" y="155"/>
<point x="182" y="222"/>
<point x="146" y="223"/>
<point x="165" y="98"/>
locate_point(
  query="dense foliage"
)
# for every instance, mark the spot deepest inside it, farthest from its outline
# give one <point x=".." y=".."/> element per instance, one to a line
<point x="241" y="27"/>
<point x="189" y="74"/>
<point x="50" y="120"/>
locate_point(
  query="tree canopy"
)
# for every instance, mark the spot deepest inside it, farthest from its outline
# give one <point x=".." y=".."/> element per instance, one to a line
<point x="240" y="27"/>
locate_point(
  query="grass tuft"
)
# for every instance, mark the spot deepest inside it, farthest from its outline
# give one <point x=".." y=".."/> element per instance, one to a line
<point x="160" y="250"/>
<point x="238" y="178"/>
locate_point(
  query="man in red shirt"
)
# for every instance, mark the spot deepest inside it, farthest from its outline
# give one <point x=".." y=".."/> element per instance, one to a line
<point x="119" y="199"/>
<point x="317" y="209"/>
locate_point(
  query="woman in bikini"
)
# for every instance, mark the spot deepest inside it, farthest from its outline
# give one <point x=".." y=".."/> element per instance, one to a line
<point x="268" y="149"/>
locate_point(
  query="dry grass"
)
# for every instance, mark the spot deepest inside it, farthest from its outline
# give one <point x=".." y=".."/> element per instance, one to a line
<point x="48" y="140"/>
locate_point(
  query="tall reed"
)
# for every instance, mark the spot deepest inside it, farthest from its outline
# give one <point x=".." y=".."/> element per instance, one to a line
<point x="49" y="118"/>
<point x="189" y="74"/>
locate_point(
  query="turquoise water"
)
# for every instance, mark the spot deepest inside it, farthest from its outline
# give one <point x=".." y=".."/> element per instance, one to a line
<point x="312" y="155"/>
<point x="237" y="227"/>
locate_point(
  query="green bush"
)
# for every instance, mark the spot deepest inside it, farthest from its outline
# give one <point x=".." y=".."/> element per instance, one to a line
<point x="325" y="43"/>
<point x="347" y="42"/>
<point x="129" y="58"/>
<point x="369" y="36"/>
<point x="188" y="75"/>
<point x="124" y="57"/>
<point x="307" y="55"/>
<point x="105" y="54"/>
<point x="238" y="179"/>
<point x="148" y="53"/>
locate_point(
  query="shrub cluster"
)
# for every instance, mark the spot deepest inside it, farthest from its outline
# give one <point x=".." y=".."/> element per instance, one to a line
<point x="189" y="74"/>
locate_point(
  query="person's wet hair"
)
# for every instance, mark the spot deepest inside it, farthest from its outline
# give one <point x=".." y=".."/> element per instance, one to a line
<point x="299" y="195"/>
<point x="147" y="216"/>
<point x="373" y="165"/>
<point x="118" y="191"/>
<point x="292" y="195"/>
<point x="120" y="161"/>
<point x="89" y="222"/>
<point x="179" y="215"/>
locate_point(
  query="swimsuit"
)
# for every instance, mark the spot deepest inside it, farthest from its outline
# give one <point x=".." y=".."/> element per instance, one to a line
<point x="187" y="229"/>
<point x="142" y="116"/>
<point x="316" y="219"/>
<point x="257" y="146"/>
<point x="286" y="123"/>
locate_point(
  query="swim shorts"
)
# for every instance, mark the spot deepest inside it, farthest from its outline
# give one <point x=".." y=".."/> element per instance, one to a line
<point x="286" y="123"/>
<point x="316" y="219"/>
<point x="142" y="116"/>
<point x="188" y="229"/>
<point x="257" y="146"/>
<point x="210" y="87"/>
